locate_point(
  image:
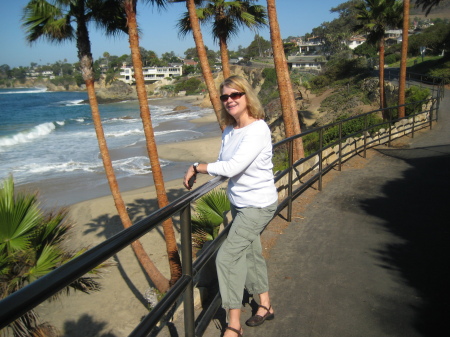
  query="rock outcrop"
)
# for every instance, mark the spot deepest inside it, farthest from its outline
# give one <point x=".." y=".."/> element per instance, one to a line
<point x="118" y="91"/>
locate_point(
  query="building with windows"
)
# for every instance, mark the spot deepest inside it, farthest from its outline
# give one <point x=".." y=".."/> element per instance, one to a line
<point x="355" y="41"/>
<point x="306" y="62"/>
<point x="151" y="74"/>
<point x="310" y="46"/>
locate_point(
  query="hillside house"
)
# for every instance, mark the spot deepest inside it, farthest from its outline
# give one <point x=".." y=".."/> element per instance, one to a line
<point x="306" y="62"/>
<point x="355" y="41"/>
<point x="311" y="46"/>
<point x="151" y="74"/>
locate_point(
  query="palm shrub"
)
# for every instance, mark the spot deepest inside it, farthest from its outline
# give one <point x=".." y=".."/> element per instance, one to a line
<point x="208" y="215"/>
<point x="31" y="246"/>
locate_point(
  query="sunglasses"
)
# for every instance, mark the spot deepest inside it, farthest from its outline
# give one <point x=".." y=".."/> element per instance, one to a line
<point x="233" y="96"/>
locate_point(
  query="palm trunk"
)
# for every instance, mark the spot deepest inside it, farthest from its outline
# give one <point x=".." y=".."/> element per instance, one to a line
<point x="402" y="79"/>
<point x="169" y="233"/>
<point x="288" y="105"/>
<point x="224" y="57"/>
<point x="381" y="73"/>
<point x="206" y="70"/>
<point x="86" y="62"/>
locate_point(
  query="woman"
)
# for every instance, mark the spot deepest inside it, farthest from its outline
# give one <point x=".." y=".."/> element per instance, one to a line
<point x="246" y="158"/>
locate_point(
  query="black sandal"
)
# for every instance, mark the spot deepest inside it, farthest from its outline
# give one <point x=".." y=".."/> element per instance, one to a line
<point x="239" y="333"/>
<point x="258" y="320"/>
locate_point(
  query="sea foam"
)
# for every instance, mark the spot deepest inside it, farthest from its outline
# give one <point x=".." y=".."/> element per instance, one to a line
<point x="38" y="131"/>
<point x="25" y="91"/>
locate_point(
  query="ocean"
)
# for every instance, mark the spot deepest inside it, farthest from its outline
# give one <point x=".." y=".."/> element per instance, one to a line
<point x="47" y="139"/>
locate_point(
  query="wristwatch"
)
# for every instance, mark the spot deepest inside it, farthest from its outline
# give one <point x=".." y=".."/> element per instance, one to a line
<point x="195" y="167"/>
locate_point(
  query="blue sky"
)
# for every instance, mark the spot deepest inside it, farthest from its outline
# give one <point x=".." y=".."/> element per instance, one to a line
<point x="296" y="17"/>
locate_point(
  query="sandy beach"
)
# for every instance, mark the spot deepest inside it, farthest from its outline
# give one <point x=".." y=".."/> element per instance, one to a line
<point x="120" y="305"/>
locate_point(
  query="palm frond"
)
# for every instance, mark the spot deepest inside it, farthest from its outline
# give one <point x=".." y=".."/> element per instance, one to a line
<point x="28" y="326"/>
<point x="226" y="17"/>
<point x="42" y="19"/>
<point x="213" y="205"/>
<point x="208" y="215"/>
<point x="49" y="259"/>
<point x="199" y="237"/>
<point x="41" y="240"/>
<point x="18" y="217"/>
<point x="53" y="229"/>
<point x="109" y="15"/>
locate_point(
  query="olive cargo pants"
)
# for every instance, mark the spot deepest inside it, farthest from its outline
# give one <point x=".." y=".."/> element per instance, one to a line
<point x="239" y="261"/>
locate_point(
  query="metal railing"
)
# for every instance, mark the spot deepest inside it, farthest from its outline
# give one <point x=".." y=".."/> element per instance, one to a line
<point x="18" y="303"/>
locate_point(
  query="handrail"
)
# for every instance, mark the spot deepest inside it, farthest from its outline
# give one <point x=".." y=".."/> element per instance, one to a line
<point x="18" y="303"/>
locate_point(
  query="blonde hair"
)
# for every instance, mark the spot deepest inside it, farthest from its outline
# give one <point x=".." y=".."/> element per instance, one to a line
<point x="254" y="107"/>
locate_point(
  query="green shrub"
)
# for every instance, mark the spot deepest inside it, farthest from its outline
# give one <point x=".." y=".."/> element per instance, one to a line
<point x="191" y="86"/>
<point x="270" y="76"/>
<point x="280" y="158"/>
<point x="269" y="89"/>
<point x="415" y="94"/>
<point x="392" y="58"/>
<point x="353" y="126"/>
<point x="319" y="82"/>
<point x="311" y="143"/>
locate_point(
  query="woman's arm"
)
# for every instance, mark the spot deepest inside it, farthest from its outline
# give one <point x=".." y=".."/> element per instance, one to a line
<point x="201" y="168"/>
<point x="249" y="148"/>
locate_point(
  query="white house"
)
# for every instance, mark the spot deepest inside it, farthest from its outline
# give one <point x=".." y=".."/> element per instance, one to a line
<point x="151" y="74"/>
<point x="355" y="41"/>
<point x="307" y="62"/>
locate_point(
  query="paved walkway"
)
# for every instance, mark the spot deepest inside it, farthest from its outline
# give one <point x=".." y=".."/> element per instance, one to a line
<point x="369" y="255"/>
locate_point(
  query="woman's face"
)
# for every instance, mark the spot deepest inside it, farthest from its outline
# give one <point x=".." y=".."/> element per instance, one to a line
<point x="236" y="107"/>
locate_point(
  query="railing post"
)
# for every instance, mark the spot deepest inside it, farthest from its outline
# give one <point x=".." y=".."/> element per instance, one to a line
<point x="340" y="146"/>
<point x="291" y="168"/>
<point x="438" y="101"/>
<point x="365" y="135"/>
<point x="186" y="262"/>
<point x="320" y="157"/>
<point x="431" y="115"/>
<point x="390" y="127"/>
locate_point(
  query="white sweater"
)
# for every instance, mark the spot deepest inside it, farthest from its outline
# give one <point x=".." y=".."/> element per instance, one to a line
<point x="246" y="158"/>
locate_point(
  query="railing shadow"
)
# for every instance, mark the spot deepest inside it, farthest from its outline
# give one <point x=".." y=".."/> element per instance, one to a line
<point x="415" y="209"/>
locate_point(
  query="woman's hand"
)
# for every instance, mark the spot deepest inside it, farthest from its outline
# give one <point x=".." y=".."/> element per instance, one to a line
<point x="189" y="174"/>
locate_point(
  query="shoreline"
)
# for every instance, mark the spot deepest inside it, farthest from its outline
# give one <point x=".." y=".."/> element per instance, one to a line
<point x="120" y="305"/>
<point x="175" y="155"/>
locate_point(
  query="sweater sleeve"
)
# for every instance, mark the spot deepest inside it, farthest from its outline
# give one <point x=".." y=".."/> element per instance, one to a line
<point x="249" y="148"/>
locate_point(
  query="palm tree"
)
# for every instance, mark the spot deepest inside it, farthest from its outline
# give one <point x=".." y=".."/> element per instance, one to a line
<point x="169" y="233"/>
<point x="427" y="5"/>
<point x="32" y="244"/>
<point x="288" y="105"/>
<point x="402" y="76"/>
<point x="375" y="16"/>
<point x="227" y="17"/>
<point x="52" y="21"/>
<point x="204" y="64"/>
